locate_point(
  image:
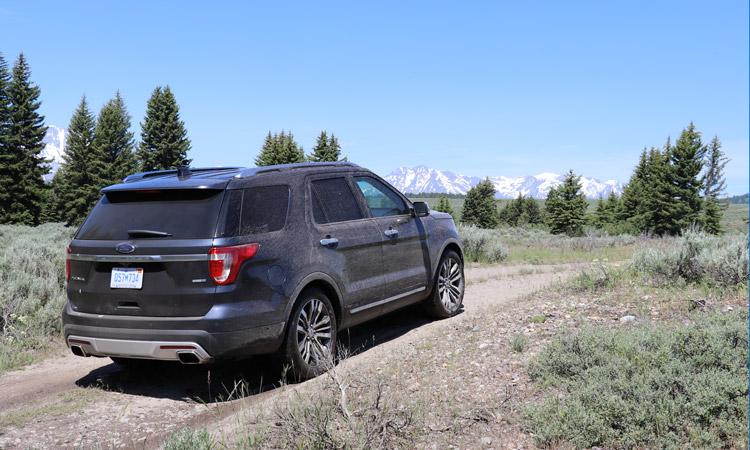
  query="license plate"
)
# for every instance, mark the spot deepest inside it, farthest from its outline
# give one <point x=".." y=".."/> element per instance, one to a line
<point x="126" y="278"/>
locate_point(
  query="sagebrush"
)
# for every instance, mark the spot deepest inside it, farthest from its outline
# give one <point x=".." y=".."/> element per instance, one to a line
<point x="695" y="258"/>
<point x="32" y="273"/>
<point x="645" y="386"/>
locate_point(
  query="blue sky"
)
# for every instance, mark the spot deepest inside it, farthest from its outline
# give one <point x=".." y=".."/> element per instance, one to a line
<point x="480" y="88"/>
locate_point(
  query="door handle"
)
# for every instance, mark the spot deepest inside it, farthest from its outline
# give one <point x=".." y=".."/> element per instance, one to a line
<point x="329" y="242"/>
<point x="391" y="233"/>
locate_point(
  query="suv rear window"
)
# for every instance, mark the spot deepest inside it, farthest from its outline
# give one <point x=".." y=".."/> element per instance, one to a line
<point x="185" y="214"/>
<point x="260" y="209"/>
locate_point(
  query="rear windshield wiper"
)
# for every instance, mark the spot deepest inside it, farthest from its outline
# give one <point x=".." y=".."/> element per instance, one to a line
<point x="148" y="233"/>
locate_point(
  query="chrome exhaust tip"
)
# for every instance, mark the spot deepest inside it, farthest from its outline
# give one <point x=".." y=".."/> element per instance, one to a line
<point x="77" y="350"/>
<point x="189" y="357"/>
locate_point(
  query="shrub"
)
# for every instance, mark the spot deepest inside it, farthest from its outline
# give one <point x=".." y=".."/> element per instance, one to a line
<point x="694" y="258"/>
<point x="646" y="386"/>
<point x="190" y="439"/>
<point x="482" y="245"/>
<point x="518" y="342"/>
<point x="32" y="273"/>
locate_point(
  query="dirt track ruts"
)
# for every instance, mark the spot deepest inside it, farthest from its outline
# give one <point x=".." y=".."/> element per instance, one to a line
<point x="67" y="401"/>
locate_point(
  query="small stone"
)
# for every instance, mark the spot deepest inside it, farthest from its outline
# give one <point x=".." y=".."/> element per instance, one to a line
<point x="486" y="440"/>
<point x="626" y="319"/>
<point x="483" y="345"/>
<point x="727" y="309"/>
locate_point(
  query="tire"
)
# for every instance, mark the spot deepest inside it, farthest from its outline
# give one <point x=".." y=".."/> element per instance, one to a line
<point x="448" y="288"/>
<point x="310" y="345"/>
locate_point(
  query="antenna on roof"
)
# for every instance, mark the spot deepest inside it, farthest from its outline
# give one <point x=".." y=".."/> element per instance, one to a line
<point x="183" y="172"/>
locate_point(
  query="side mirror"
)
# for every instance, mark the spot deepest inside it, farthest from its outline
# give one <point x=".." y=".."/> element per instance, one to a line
<point x="421" y="209"/>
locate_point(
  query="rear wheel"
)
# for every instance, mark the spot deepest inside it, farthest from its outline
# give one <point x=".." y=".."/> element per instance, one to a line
<point x="448" y="290"/>
<point x="310" y="345"/>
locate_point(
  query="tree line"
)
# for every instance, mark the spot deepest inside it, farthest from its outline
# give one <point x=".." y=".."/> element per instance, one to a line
<point x="100" y="150"/>
<point x="673" y="188"/>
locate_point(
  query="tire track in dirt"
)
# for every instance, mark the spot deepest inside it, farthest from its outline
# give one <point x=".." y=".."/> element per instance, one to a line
<point x="67" y="401"/>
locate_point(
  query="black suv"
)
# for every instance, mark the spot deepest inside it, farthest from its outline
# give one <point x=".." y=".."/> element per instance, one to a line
<point x="197" y="265"/>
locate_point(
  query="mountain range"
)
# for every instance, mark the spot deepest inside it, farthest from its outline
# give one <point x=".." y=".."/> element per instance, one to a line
<point x="422" y="179"/>
<point x="415" y="180"/>
<point x="54" y="148"/>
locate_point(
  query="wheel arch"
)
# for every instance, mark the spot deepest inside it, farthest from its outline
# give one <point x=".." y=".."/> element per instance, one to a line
<point x="449" y="244"/>
<point x="326" y="284"/>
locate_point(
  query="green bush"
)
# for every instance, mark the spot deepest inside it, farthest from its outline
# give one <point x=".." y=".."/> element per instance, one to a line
<point x="190" y="439"/>
<point x="646" y="386"/>
<point x="696" y="258"/>
<point x="32" y="275"/>
<point x="481" y="245"/>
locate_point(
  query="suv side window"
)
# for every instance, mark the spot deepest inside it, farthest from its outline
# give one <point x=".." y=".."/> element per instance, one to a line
<point x="264" y="209"/>
<point x="381" y="200"/>
<point x="333" y="201"/>
<point x="254" y="210"/>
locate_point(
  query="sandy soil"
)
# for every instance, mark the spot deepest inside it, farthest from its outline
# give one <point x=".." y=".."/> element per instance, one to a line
<point x="67" y="401"/>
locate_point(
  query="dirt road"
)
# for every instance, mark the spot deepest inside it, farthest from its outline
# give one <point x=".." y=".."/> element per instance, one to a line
<point x="67" y="401"/>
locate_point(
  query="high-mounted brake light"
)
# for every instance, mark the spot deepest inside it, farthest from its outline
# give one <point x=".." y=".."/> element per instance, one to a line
<point x="68" y="251"/>
<point x="224" y="262"/>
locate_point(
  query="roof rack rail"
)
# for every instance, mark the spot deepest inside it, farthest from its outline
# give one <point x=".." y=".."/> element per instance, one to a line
<point x="186" y="171"/>
<point x="293" y="166"/>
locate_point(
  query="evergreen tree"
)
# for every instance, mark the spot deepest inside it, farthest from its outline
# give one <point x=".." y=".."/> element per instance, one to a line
<point x="21" y="163"/>
<point x="658" y="213"/>
<point x="713" y="186"/>
<point x="280" y="148"/>
<point x="686" y="161"/>
<point x="444" y="205"/>
<point x="114" y="141"/>
<point x="606" y="214"/>
<point x="531" y="211"/>
<point x="327" y="149"/>
<point x="5" y="173"/>
<point x="479" y="206"/>
<point x="164" y="141"/>
<point x="632" y="194"/>
<point x="566" y="207"/>
<point x="83" y="168"/>
<point x="53" y="207"/>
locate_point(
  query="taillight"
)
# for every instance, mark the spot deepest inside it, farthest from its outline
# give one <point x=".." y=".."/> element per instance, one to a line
<point x="67" y="263"/>
<point x="224" y="262"/>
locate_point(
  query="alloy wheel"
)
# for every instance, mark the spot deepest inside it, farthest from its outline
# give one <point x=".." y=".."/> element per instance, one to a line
<point x="450" y="284"/>
<point x="314" y="332"/>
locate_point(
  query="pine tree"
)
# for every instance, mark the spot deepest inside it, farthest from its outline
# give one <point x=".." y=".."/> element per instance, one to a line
<point x="114" y="141"/>
<point x="713" y="186"/>
<point x="164" y="141"/>
<point x="686" y="161"/>
<point x="83" y="167"/>
<point x="5" y="174"/>
<point x="479" y="206"/>
<point x="658" y="213"/>
<point x="280" y="148"/>
<point x="632" y="195"/>
<point x="444" y="205"/>
<point x="327" y="149"/>
<point x="531" y="212"/>
<point x="566" y="207"/>
<point x="22" y="165"/>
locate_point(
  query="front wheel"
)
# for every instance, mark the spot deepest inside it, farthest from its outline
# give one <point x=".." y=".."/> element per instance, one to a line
<point x="310" y="345"/>
<point x="448" y="290"/>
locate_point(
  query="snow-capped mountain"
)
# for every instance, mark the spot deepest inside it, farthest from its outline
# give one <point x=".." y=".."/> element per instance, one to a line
<point x="424" y="179"/>
<point x="54" y="148"/>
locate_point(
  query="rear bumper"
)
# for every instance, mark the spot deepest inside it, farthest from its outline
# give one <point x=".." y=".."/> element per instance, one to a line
<point x="127" y="348"/>
<point x="116" y="335"/>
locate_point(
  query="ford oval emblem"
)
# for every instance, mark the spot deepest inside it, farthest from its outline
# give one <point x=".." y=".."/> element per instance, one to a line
<point x="125" y="247"/>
